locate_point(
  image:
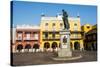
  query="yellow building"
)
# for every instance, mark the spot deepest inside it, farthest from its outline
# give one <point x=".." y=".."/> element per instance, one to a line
<point x="90" y="36"/>
<point x="50" y="29"/>
<point x="86" y="28"/>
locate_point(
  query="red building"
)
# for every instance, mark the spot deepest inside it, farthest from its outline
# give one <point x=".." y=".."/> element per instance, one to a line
<point x="27" y="38"/>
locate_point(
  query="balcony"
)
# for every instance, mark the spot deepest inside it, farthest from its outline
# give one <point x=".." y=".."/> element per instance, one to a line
<point x="34" y="38"/>
<point x="51" y="38"/>
<point x="31" y="39"/>
<point x="50" y="32"/>
<point x="76" y="32"/>
<point x="18" y="39"/>
<point x="76" y="38"/>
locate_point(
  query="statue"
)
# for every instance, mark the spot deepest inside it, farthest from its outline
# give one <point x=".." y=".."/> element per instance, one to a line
<point x="65" y="50"/>
<point x="65" y="19"/>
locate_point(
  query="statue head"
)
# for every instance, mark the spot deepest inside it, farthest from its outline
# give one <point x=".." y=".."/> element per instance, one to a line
<point x="64" y="13"/>
<point x="63" y="10"/>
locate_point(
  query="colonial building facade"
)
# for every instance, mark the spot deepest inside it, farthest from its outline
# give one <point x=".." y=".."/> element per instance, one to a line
<point x="27" y="38"/>
<point x="51" y="27"/>
<point x="90" y="37"/>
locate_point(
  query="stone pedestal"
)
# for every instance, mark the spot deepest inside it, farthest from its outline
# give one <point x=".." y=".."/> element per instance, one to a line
<point x="65" y="50"/>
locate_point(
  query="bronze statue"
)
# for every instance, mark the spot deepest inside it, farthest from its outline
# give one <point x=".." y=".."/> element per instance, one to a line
<point x="65" y="19"/>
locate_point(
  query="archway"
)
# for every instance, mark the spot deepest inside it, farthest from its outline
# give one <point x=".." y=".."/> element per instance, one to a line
<point x="28" y="46"/>
<point x="36" y="46"/>
<point x="19" y="47"/>
<point x="54" y="45"/>
<point x="47" y="45"/>
<point x="76" y="45"/>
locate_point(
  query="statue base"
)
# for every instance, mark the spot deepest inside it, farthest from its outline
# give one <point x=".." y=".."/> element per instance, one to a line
<point x="64" y="53"/>
<point x="65" y="50"/>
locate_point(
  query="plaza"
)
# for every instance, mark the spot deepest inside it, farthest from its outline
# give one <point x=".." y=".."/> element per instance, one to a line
<point x="42" y="58"/>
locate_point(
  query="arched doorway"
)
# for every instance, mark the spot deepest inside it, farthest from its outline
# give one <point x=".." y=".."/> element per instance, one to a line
<point x="28" y="46"/>
<point x="46" y="45"/>
<point x="54" y="45"/>
<point x="36" y="46"/>
<point x="76" y="45"/>
<point x="19" y="47"/>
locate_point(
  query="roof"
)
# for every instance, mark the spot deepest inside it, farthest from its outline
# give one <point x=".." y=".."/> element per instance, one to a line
<point x="58" y="18"/>
<point x="27" y="27"/>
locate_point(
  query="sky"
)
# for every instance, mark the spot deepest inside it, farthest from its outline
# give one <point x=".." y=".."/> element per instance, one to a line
<point x="30" y="12"/>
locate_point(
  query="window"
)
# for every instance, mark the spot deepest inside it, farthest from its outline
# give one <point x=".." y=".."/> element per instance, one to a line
<point x="46" y="35"/>
<point x="88" y="27"/>
<point x="19" y="36"/>
<point x="53" y="35"/>
<point x="53" y="24"/>
<point x="36" y="36"/>
<point x="27" y="35"/>
<point x="75" y="24"/>
<point x="46" y="24"/>
<point x="61" y="24"/>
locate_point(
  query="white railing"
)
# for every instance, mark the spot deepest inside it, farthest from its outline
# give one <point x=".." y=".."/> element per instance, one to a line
<point x="31" y="38"/>
<point x="25" y="38"/>
<point x="18" y="38"/>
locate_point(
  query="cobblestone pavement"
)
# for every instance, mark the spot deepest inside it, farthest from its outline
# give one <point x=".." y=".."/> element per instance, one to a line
<point x="46" y="58"/>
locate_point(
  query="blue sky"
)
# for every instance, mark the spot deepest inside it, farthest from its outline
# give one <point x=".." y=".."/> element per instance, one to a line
<point x="30" y="12"/>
